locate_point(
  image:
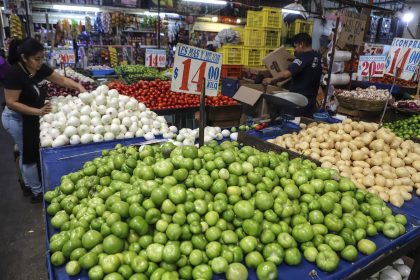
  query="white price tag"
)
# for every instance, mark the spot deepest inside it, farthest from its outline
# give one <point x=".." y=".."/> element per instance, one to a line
<point x="373" y="49"/>
<point x="191" y="66"/>
<point x="371" y="66"/>
<point x="404" y="55"/>
<point x="155" y="58"/>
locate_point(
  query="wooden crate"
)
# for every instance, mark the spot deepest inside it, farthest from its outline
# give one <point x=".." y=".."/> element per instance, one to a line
<point x="224" y="113"/>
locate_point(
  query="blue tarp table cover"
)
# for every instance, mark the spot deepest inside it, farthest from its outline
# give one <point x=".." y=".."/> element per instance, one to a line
<point x="57" y="162"/>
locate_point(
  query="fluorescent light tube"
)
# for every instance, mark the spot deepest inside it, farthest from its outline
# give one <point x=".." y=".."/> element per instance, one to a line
<point x="212" y="2"/>
<point x="75" y="8"/>
<point x="287" y="11"/>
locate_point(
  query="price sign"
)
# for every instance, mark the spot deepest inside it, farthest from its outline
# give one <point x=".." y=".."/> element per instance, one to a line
<point x="64" y="56"/>
<point x="352" y="29"/>
<point x="155" y="58"/>
<point x="193" y="64"/>
<point x="404" y="55"/>
<point x="373" y="49"/>
<point x="371" y="66"/>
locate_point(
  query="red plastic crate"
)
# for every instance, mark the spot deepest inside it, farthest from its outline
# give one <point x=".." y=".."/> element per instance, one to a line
<point x="231" y="71"/>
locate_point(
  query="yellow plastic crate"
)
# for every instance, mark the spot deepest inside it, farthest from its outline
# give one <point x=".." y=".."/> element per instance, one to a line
<point x="300" y="26"/>
<point x="232" y="54"/>
<point x="241" y="32"/>
<point x="253" y="56"/>
<point x="266" y="51"/>
<point x="268" y="18"/>
<point x="262" y="37"/>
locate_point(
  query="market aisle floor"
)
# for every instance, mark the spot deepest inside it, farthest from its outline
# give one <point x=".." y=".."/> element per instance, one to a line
<point x="22" y="253"/>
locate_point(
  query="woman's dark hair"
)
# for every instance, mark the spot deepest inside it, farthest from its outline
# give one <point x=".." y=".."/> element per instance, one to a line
<point x="28" y="47"/>
<point x="303" y="38"/>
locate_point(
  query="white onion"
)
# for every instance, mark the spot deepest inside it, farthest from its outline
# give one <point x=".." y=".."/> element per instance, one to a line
<point x="126" y="121"/>
<point x="70" y="131"/>
<point x="112" y="112"/>
<point x="234" y="136"/>
<point x="173" y="129"/>
<point x="225" y="133"/>
<point x="102" y="109"/>
<point x="97" y="138"/>
<point x="75" y="139"/>
<point x="83" y="129"/>
<point x="113" y="93"/>
<point x="99" y="129"/>
<point x="149" y="136"/>
<point x="85" y="119"/>
<point x="142" y="107"/>
<point x="53" y="132"/>
<point x="219" y="136"/>
<point x="155" y="131"/>
<point x="85" y="110"/>
<point x="86" y="138"/>
<point x="123" y="129"/>
<point x="108" y="136"/>
<point x="113" y="102"/>
<point x="115" y="128"/>
<point x="106" y="119"/>
<point x="122" y="115"/>
<point x="73" y="121"/>
<point x="116" y="121"/>
<point x="139" y="133"/>
<point x="129" y="134"/>
<point x="96" y="121"/>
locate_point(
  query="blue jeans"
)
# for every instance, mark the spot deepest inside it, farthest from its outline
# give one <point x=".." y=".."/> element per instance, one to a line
<point x="12" y="122"/>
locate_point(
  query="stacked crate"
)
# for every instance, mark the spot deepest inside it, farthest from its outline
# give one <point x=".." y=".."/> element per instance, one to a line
<point x="262" y="35"/>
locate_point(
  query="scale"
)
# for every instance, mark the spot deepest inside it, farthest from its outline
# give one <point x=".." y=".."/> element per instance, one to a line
<point x="282" y="107"/>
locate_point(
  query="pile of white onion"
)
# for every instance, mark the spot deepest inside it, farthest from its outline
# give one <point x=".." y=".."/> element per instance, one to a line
<point x="70" y="73"/>
<point x="187" y="136"/>
<point x="397" y="271"/>
<point x="100" y="115"/>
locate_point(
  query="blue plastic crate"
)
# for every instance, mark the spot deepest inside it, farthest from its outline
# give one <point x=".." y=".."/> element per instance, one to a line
<point x="103" y="72"/>
<point x="229" y="86"/>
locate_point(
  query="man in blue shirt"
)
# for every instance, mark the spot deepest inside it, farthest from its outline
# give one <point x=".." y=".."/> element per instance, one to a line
<point x="305" y="71"/>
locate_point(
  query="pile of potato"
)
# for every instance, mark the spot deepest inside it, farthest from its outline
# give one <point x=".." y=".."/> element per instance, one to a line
<point x="375" y="158"/>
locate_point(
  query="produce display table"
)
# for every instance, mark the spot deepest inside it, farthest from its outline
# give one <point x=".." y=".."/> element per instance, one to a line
<point x="56" y="162"/>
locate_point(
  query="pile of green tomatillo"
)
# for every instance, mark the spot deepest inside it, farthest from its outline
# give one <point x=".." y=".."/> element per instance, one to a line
<point x="166" y="212"/>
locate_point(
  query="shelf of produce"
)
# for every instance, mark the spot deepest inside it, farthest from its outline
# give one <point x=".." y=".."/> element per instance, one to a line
<point x="396" y="90"/>
<point x="59" y="161"/>
<point x="165" y="112"/>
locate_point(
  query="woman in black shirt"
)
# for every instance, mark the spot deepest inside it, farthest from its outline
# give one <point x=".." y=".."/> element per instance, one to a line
<point x="25" y="104"/>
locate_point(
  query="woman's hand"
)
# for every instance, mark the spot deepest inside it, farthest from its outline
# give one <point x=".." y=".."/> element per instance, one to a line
<point x="81" y="88"/>
<point x="46" y="109"/>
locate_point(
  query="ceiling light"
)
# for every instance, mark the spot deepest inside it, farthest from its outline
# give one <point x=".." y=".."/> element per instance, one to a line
<point x="238" y="20"/>
<point x="287" y="11"/>
<point x="75" y="8"/>
<point x="214" y="19"/>
<point x="407" y="17"/>
<point x="213" y="2"/>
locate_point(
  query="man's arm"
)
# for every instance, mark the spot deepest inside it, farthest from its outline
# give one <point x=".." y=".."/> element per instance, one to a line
<point x="285" y="74"/>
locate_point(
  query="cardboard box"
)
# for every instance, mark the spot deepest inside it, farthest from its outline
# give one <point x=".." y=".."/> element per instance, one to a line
<point x="278" y="61"/>
<point x="250" y="97"/>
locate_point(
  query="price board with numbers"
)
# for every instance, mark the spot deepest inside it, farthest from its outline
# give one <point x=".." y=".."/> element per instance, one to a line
<point x="191" y="66"/>
<point x="404" y="55"/>
<point x="371" y="66"/>
<point x="155" y="58"/>
<point x="63" y="55"/>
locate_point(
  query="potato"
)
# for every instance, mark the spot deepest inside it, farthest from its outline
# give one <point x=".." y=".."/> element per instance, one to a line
<point x="358" y="155"/>
<point x="367" y="171"/>
<point x="314" y="145"/>
<point x="384" y="196"/>
<point x="304" y="145"/>
<point x="389" y="183"/>
<point x="416" y="165"/>
<point x="307" y="152"/>
<point x="376" y="161"/>
<point x="393" y="153"/>
<point x="415" y="178"/>
<point x="359" y="144"/>
<point x="366" y="138"/>
<point x="324" y="145"/>
<point x="328" y="158"/>
<point x="408" y="188"/>
<point x="357" y="169"/>
<point x="346" y="154"/>
<point x="354" y="133"/>
<point x="359" y="176"/>
<point x="376" y="169"/>
<point x="315" y="156"/>
<point x="361" y="164"/>
<point x="377" y="145"/>
<point x="406" y="181"/>
<point x="411" y="169"/>
<point x="326" y="164"/>
<point x="380" y="180"/>
<point x="372" y="191"/>
<point x="406" y="195"/>
<point x="407" y="144"/>
<point x="352" y="147"/>
<point x="369" y="181"/>
<point x="387" y="174"/>
<point x="395" y="144"/>
<point x="385" y="134"/>
<point x="397" y="162"/>
<point x="402" y="172"/>
<point x="396" y="200"/>
<point x="347" y="121"/>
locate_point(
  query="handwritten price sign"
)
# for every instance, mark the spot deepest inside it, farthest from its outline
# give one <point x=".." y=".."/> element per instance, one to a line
<point x="404" y="56"/>
<point x="191" y="66"/>
<point x="371" y="66"/>
<point x="155" y="58"/>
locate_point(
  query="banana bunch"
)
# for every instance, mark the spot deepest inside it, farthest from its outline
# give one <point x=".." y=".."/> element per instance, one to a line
<point x="113" y="56"/>
<point x="16" y="27"/>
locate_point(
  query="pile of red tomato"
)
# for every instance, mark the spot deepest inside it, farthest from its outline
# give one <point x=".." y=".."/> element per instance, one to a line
<point x="157" y="95"/>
